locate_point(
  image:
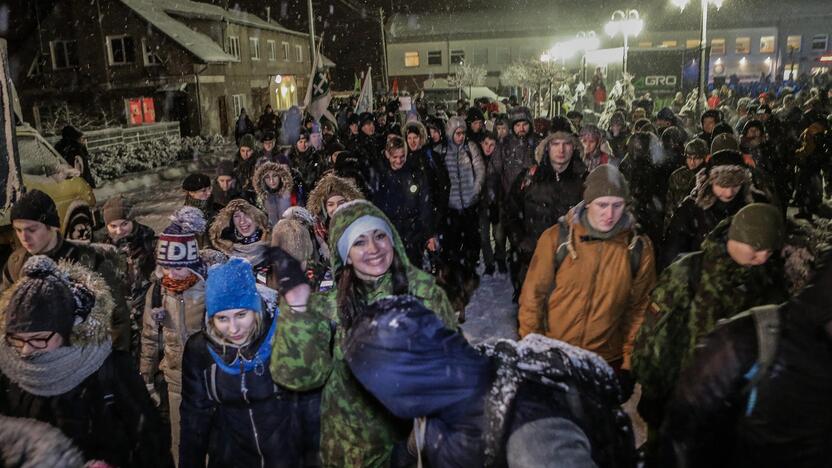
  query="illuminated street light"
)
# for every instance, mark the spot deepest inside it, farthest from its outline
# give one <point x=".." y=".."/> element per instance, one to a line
<point x="627" y="23"/>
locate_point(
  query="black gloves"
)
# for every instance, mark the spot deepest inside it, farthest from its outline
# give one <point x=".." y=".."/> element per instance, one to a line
<point x="627" y="384"/>
<point x="287" y="270"/>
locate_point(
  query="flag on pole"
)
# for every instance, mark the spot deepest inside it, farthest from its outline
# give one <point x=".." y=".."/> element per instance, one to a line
<point x="395" y="86"/>
<point x="356" y="88"/>
<point x="365" y="99"/>
<point x="318" y="93"/>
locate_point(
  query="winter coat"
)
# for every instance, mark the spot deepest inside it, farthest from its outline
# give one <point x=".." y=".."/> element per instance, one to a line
<point x="238" y="420"/>
<point x="540" y="196"/>
<point x="220" y="197"/>
<point x="244" y="168"/>
<point x="108" y="416"/>
<point x="77" y="156"/>
<point x="311" y="165"/>
<point x="273" y="202"/>
<point x="223" y="239"/>
<point x="706" y="289"/>
<point x="268" y="121"/>
<point x="100" y="258"/>
<point x="431" y="163"/>
<point x="308" y="354"/>
<point x="466" y="172"/>
<point x="276" y="155"/>
<point x="30" y="443"/>
<point x="679" y="186"/>
<point x="513" y="157"/>
<point x="593" y="300"/>
<point x="138" y="250"/>
<point x="478" y="402"/>
<point x="405" y="197"/>
<point x="787" y="421"/>
<point x="698" y="214"/>
<point x="329" y="185"/>
<point x="242" y="126"/>
<point x="210" y="210"/>
<point x="618" y="144"/>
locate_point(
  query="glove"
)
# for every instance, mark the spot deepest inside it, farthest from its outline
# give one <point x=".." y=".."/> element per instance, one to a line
<point x="627" y="384"/>
<point x="154" y="395"/>
<point x="287" y="269"/>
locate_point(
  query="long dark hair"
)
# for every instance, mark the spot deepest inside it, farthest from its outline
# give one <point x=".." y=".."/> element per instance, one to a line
<point x="352" y="291"/>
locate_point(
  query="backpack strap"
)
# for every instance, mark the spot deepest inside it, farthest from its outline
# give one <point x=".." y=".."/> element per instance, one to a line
<point x="156" y="295"/>
<point x="563" y="239"/>
<point x="767" y="324"/>
<point x="635" y="249"/>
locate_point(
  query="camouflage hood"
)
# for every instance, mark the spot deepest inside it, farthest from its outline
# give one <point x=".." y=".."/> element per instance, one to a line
<point x="282" y="171"/>
<point x="329" y="185"/>
<point x="347" y="214"/>
<point x="224" y="219"/>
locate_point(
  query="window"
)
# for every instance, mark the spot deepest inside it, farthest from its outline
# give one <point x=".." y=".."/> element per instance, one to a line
<point x="120" y="50"/>
<point x="767" y="44"/>
<point x="239" y="102"/>
<point x="284" y="46"/>
<point x="503" y="55"/>
<point x="411" y="59"/>
<point x="820" y="41"/>
<point x="254" y="48"/>
<point x="151" y="58"/>
<point x="37" y="159"/>
<point x="718" y="46"/>
<point x="298" y="53"/>
<point x="645" y="44"/>
<point x="457" y="56"/>
<point x="233" y="47"/>
<point x="793" y="43"/>
<point x="790" y="71"/>
<point x="479" y="57"/>
<point x="670" y="44"/>
<point x="435" y="57"/>
<point x="37" y="66"/>
<point x="272" y="50"/>
<point x="743" y="45"/>
<point x="692" y="44"/>
<point x="64" y="54"/>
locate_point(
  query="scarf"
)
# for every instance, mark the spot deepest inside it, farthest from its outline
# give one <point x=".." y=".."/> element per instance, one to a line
<point x="240" y="364"/>
<point x="246" y="240"/>
<point x="179" y="286"/>
<point x="255" y="253"/>
<point x="594" y="234"/>
<point x="56" y="372"/>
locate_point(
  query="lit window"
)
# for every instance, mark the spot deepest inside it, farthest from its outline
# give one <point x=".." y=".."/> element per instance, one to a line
<point x="254" y="48"/>
<point x="435" y="57"/>
<point x="411" y="59"/>
<point x="743" y="45"/>
<point x="120" y="50"/>
<point x="718" y="46"/>
<point x="645" y="44"/>
<point x="767" y="44"/>
<point x="820" y="41"/>
<point x="790" y="71"/>
<point x="272" y="50"/>
<point x="151" y="58"/>
<point x="239" y="102"/>
<point x="793" y="43"/>
<point x="692" y="44"/>
<point x="671" y="44"/>
<point x="457" y="56"/>
<point x="64" y="54"/>
<point x="233" y="47"/>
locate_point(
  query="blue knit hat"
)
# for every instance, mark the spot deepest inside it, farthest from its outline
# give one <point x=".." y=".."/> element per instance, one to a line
<point x="231" y="285"/>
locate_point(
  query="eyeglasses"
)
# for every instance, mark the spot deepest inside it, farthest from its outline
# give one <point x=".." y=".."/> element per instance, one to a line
<point x="35" y="343"/>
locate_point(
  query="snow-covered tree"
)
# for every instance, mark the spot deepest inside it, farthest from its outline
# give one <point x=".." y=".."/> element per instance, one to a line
<point x="467" y="76"/>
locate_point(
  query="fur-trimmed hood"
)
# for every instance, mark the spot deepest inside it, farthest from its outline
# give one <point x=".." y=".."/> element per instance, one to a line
<point x="543" y="147"/>
<point x="331" y="184"/>
<point x="423" y="132"/>
<point x="705" y="197"/>
<point x="95" y="329"/>
<point x="282" y="170"/>
<point x="224" y="220"/>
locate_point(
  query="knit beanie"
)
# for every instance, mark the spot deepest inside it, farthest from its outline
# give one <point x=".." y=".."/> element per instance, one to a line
<point x="42" y="300"/>
<point x="225" y="168"/>
<point x="293" y="237"/>
<point x="116" y="208"/>
<point x="231" y="285"/>
<point x="759" y="225"/>
<point x="697" y="147"/>
<point x="723" y="142"/>
<point x="196" y="182"/>
<point x="474" y="114"/>
<point x="453" y="124"/>
<point x="358" y="227"/>
<point x="727" y="168"/>
<point x="605" y="181"/>
<point x="177" y="246"/>
<point x="248" y="141"/>
<point x="35" y="205"/>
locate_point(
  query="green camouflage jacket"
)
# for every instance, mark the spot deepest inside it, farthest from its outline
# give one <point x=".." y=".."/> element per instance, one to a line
<point x="356" y="430"/>
<point x="680" y="185"/>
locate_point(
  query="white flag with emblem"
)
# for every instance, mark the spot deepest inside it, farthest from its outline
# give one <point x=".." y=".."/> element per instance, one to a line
<point x="365" y="99"/>
<point x="318" y="93"/>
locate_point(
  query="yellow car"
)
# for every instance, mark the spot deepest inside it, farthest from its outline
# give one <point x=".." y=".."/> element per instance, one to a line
<point x="43" y="168"/>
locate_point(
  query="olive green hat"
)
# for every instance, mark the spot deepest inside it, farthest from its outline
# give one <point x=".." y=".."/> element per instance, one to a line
<point x="759" y="225"/>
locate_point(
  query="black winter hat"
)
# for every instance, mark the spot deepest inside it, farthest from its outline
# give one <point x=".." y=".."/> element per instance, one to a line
<point x="353" y="119"/>
<point x="42" y="300"/>
<point x="753" y="123"/>
<point x="225" y="168"/>
<point x="722" y="128"/>
<point x="562" y="124"/>
<point x="267" y="136"/>
<point x="474" y="114"/>
<point x="196" y="182"/>
<point x="35" y="205"/>
<point x="520" y="113"/>
<point x="712" y="113"/>
<point x="666" y="113"/>
<point x="365" y="118"/>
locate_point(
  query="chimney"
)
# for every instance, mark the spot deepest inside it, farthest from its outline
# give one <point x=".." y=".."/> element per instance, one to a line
<point x="268" y="14"/>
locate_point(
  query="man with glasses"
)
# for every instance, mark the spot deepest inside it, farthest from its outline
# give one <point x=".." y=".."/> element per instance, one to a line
<point x="683" y="179"/>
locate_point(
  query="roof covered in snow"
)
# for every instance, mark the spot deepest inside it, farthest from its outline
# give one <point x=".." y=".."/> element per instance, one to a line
<point x="162" y="15"/>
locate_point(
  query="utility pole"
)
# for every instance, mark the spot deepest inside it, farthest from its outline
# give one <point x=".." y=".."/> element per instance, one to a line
<point x="703" y="58"/>
<point x="311" y="32"/>
<point x="386" y="72"/>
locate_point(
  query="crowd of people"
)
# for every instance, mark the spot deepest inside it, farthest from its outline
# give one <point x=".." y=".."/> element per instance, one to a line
<point x="303" y="305"/>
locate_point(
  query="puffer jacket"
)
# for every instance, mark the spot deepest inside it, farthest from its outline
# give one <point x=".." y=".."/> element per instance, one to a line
<point x="466" y="172"/>
<point x="513" y="157"/>
<point x="593" y="300"/>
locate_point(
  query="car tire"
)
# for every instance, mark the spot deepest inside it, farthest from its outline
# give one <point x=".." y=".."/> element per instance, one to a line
<point x="80" y="227"/>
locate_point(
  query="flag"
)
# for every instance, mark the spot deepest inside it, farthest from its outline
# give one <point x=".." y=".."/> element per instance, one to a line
<point x="395" y="86"/>
<point x="356" y="88"/>
<point x="318" y="93"/>
<point x="365" y="99"/>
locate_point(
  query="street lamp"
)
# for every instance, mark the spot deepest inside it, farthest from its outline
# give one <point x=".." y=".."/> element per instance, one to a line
<point x="703" y="44"/>
<point x="627" y="23"/>
<point x="586" y="41"/>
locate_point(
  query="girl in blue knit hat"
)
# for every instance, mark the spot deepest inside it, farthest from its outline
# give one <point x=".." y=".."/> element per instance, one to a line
<point x="231" y="410"/>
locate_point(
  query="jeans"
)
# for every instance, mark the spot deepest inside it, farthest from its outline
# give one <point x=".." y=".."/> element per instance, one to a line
<point x="487" y="228"/>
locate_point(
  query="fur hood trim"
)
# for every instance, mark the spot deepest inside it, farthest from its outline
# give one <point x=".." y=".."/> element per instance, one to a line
<point x="423" y="132"/>
<point x="543" y="148"/>
<point x="95" y="329"/>
<point x="224" y="220"/>
<point x="282" y="170"/>
<point x="329" y="185"/>
<point x="728" y="176"/>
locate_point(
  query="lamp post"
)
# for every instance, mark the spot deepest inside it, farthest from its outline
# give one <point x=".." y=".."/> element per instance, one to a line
<point x="703" y="45"/>
<point x="586" y="41"/>
<point x="627" y="23"/>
